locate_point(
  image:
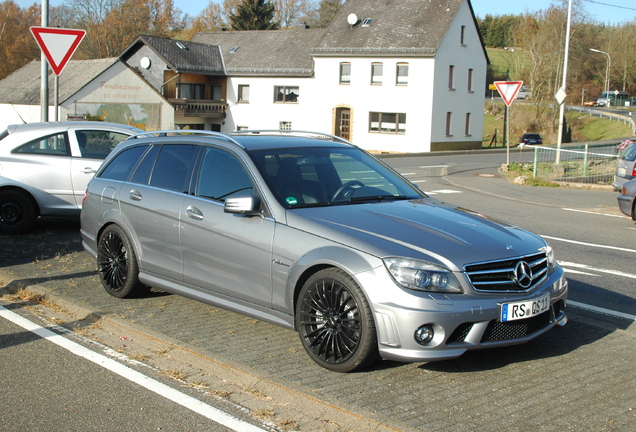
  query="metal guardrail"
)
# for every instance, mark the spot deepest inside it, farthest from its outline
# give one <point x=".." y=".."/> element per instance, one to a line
<point x="586" y="164"/>
<point x="624" y="118"/>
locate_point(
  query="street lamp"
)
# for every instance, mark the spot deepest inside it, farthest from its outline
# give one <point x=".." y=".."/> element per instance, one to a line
<point x="607" y="71"/>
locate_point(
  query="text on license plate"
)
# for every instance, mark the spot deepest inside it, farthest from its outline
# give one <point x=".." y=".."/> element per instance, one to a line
<point x="524" y="309"/>
<point x="622" y="171"/>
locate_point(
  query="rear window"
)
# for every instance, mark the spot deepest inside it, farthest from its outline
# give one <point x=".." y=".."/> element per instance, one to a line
<point x="629" y="154"/>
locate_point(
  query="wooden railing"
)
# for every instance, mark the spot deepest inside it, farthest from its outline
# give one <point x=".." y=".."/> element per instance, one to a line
<point x="198" y="108"/>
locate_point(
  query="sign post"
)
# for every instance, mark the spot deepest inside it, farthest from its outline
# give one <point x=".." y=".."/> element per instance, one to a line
<point x="58" y="46"/>
<point x="508" y="91"/>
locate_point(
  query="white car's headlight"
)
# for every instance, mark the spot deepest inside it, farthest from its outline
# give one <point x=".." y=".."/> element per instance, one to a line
<point x="422" y="276"/>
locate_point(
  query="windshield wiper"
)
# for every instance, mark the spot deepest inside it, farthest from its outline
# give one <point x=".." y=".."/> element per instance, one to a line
<point x="379" y="198"/>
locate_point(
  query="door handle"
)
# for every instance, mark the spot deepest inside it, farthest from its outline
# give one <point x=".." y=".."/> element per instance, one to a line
<point x="134" y="195"/>
<point x="194" y="213"/>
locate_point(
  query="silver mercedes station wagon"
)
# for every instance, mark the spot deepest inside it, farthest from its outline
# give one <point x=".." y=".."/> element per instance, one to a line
<point x="312" y="233"/>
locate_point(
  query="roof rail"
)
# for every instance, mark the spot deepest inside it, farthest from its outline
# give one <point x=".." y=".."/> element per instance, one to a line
<point x="178" y="132"/>
<point x="319" y="135"/>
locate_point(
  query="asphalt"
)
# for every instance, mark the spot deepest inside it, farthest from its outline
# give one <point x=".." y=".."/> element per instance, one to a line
<point x="576" y="378"/>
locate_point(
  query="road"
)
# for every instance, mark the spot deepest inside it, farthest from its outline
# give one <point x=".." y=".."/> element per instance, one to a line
<point x="50" y="383"/>
<point x="576" y="378"/>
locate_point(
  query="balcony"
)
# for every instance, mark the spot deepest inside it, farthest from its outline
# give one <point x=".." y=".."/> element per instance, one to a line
<point x="198" y="108"/>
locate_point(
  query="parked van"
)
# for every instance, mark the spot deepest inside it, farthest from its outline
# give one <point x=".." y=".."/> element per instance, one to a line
<point x="613" y="98"/>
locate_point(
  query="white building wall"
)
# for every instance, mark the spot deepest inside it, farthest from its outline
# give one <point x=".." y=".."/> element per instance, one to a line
<point x="460" y="100"/>
<point x="363" y="97"/>
<point x="18" y="114"/>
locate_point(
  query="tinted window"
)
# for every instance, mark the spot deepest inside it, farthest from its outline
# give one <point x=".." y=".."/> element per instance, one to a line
<point x="221" y="175"/>
<point x="55" y="145"/>
<point x="629" y="154"/>
<point x="98" y="144"/>
<point x="121" y="166"/>
<point x="173" y="168"/>
<point x="142" y="174"/>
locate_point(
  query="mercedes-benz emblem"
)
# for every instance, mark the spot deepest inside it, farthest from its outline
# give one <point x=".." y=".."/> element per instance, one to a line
<point x="523" y="274"/>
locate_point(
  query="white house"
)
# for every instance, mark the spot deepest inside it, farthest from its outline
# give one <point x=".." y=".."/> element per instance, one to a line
<point x="389" y="75"/>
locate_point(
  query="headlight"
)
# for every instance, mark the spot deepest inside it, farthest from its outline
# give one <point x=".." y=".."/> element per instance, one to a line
<point x="422" y="276"/>
<point x="549" y="252"/>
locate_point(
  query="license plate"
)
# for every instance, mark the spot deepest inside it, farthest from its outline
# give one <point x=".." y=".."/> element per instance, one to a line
<point x="524" y="309"/>
<point x="622" y="171"/>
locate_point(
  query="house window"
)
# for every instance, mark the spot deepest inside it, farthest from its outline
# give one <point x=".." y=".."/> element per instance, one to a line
<point x="243" y="93"/>
<point x="449" y="117"/>
<point x="402" y="74"/>
<point x="376" y="73"/>
<point x="467" y="128"/>
<point x="285" y="125"/>
<point x="285" y="94"/>
<point x="462" y="36"/>
<point x="345" y="73"/>
<point x="387" y="122"/>
<point x="191" y="91"/>
<point x="451" y="77"/>
<point x="470" y="80"/>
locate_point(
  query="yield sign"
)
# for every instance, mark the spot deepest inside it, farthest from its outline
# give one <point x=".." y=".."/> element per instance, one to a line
<point x="57" y="44"/>
<point x="508" y="90"/>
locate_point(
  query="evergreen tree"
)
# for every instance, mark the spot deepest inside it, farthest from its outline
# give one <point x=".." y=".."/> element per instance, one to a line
<point x="254" y="15"/>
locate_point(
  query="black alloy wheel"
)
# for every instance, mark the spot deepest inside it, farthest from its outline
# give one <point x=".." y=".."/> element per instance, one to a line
<point x="117" y="264"/>
<point x="335" y="322"/>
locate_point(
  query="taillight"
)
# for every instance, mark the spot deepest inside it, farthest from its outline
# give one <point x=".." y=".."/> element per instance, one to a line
<point x="634" y="171"/>
<point x="85" y="196"/>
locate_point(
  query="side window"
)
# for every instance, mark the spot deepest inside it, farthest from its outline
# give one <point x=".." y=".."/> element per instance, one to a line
<point x="142" y="174"/>
<point x="243" y="93"/>
<point x="54" y="145"/>
<point x="345" y="73"/>
<point x="221" y="175"/>
<point x="97" y="144"/>
<point x="173" y="168"/>
<point x="122" y="165"/>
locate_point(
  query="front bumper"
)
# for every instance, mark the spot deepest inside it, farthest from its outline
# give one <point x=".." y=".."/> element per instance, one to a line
<point x="462" y="322"/>
<point x="625" y="204"/>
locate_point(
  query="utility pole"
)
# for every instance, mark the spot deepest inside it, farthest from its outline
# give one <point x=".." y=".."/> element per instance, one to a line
<point x="44" y="70"/>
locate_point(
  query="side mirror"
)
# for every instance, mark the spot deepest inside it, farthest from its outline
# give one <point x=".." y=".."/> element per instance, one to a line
<point x="244" y="205"/>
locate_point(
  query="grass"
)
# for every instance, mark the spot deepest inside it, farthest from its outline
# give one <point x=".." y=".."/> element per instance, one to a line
<point x="584" y="127"/>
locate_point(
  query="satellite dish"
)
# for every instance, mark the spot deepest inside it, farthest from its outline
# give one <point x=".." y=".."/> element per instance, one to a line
<point x="352" y="19"/>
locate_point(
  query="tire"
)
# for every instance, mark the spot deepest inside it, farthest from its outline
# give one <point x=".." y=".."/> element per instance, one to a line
<point x="335" y="322"/>
<point x="17" y="212"/>
<point x="117" y="264"/>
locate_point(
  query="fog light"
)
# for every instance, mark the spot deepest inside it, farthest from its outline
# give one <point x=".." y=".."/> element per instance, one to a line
<point x="424" y="334"/>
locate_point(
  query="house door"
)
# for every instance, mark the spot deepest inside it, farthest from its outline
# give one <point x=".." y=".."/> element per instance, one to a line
<point x="343" y="123"/>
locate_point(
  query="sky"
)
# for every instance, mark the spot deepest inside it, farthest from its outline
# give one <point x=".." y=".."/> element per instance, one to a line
<point x="604" y="11"/>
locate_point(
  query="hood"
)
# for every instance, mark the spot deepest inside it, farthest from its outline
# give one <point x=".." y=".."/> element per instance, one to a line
<point x="423" y="229"/>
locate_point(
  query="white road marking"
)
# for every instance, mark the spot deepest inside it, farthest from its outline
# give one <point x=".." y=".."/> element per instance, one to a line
<point x="443" y="191"/>
<point x="596" y="269"/>
<point x="589" y="244"/>
<point x="161" y="389"/>
<point x="595" y="213"/>
<point x="602" y="310"/>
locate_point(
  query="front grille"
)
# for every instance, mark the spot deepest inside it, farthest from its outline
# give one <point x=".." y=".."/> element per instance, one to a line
<point x="499" y="276"/>
<point x="499" y="331"/>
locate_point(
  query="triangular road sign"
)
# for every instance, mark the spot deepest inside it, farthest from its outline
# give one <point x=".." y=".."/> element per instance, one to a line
<point x="57" y="44"/>
<point x="508" y="90"/>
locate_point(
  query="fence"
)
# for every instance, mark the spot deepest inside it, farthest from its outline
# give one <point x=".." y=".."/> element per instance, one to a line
<point x="587" y="164"/>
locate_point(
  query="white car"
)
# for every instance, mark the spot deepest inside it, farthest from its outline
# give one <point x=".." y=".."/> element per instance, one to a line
<point x="45" y="167"/>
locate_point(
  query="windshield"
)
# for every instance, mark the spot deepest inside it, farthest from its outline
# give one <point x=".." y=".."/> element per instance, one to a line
<point x="302" y="177"/>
